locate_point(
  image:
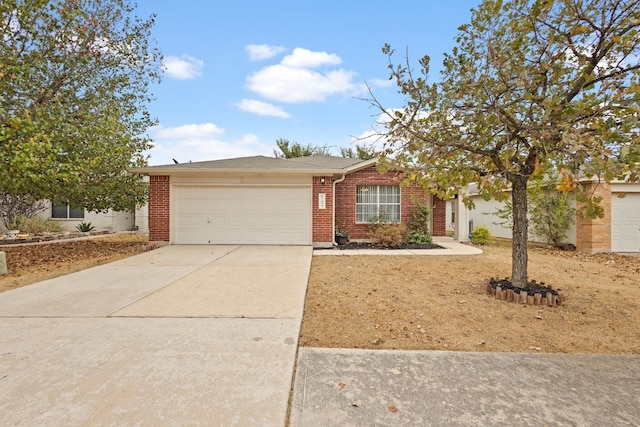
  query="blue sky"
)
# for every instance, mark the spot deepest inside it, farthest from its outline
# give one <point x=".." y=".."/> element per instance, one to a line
<point x="241" y="74"/>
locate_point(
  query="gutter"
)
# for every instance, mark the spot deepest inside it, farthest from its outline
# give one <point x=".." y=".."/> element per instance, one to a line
<point x="333" y="208"/>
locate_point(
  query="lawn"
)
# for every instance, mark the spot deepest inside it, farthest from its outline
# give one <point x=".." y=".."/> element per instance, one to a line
<point x="440" y="303"/>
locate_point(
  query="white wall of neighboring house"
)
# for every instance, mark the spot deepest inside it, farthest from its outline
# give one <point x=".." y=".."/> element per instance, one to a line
<point x="484" y="214"/>
<point x="112" y="221"/>
<point x="142" y="219"/>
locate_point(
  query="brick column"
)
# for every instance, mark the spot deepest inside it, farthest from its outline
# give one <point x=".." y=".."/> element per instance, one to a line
<point x="594" y="235"/>
<point x="439" y="217"/>
<point x="159" y="208"/>
<point x="322" y="218"/>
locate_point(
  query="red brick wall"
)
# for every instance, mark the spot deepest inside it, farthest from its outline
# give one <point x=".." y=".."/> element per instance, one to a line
<point x="346" y="201"/>
<point x="159" y="208"/>
<point x="438" y="217"/>
<point x="322" y="218"/>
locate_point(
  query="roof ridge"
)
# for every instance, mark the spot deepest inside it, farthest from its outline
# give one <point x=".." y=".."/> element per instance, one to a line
<point x="303" y="160"/>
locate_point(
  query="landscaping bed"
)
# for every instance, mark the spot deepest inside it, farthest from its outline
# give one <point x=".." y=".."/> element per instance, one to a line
<point x="367" y="245"/>
<point x="47" y="237"/>
<point x="37" y="262"/>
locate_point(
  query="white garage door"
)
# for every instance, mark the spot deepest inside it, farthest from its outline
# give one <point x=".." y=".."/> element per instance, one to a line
<point x="262" y="215"/>
<point x="625" y="222"/>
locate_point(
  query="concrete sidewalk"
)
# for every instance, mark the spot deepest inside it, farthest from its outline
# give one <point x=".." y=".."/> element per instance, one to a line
<point x="183" y="335"/>
<point x="449" y="247"/>
<point x="340" y="387"/>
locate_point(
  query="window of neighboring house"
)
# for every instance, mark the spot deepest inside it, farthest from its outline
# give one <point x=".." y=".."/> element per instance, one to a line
<point x="453" y="211"/>
<point x="64" y="211"/>
<point x="377" y="200"/>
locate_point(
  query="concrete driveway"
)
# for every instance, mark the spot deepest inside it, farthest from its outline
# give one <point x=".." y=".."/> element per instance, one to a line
<point x="183" y="335"/>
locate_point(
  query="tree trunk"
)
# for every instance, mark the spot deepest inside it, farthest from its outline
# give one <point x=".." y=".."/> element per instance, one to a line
<point x="519" y="256"/>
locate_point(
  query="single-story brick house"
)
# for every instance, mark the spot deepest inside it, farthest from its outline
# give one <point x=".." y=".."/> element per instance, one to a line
<point x="265" y="200"/>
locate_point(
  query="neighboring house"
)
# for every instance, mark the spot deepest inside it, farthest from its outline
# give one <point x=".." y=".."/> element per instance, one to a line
<point x="112" y="221"/>
<point x="617" y="231"/>
<point x="265" y="200"/>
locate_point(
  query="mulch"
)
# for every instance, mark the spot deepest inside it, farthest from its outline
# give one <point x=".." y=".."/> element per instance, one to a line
<point x="365" y="245"/>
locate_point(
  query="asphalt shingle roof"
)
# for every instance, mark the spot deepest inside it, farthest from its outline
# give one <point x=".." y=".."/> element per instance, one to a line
<point x="262" y="163"/>
<point x="327" y="161"/>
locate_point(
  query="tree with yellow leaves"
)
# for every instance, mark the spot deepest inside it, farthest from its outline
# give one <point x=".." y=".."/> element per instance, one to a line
<point x="532" y="87"/>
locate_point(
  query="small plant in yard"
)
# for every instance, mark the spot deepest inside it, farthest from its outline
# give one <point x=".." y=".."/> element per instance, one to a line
<point x="481" y="236"/>
<point x="85" y="227"/>
<point x="551" y="214"/>
<point x="419" y="232"/>
<point x="386" y="233"/>
<point x="415" y="237"/>
<point x="37" y="225"/>
<point x="341" y="233"/>
<point x="391" y="235"/>
<point x="15" y="209"/>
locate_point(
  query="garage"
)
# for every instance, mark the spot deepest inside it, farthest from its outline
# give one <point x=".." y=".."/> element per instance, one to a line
<point x="625" y="222"/>
<point x="242" y="214"/>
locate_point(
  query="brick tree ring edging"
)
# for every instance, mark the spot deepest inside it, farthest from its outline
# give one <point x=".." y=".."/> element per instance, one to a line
<point x="534" y="294"/>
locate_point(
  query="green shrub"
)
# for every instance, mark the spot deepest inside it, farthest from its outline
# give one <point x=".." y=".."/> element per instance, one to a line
<point x="85" y="227"/>
<point x="551" y="216"/>
<point x="419" y="224"/>
<point x="391" y="235"/>
<point x="37" y="225"/>
<point x="419" y="217"/>
<point x="418" y="238"/>
<point x="481" y="236"/>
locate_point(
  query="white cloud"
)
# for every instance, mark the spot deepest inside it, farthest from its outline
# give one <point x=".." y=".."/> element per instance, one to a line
<point x="182" y="68"/>
<point x="201" y="142"/>
<point x="304" y="58"/>
<point x="296" y="80"/>
<point x="259" y="52"/>
<point x="262" y="108"/>
<point x="297" y="85"/>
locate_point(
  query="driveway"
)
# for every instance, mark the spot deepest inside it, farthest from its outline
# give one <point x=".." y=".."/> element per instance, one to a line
<point x="183" y="335"/>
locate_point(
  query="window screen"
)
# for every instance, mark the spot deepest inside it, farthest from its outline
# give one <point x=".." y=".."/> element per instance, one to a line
<point x="378" y="202"/>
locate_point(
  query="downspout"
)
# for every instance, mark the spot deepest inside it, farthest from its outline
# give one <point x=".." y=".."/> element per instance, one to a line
<point x="333" y="207"/>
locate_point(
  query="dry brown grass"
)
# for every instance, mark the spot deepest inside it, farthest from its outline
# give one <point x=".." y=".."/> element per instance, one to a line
<point x="33" y="263"/>
<point x="439" y="303"/>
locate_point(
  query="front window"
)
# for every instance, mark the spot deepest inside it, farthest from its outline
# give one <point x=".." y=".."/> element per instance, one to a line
<point x="64" y="211"/>
<point x="377" y="202"/>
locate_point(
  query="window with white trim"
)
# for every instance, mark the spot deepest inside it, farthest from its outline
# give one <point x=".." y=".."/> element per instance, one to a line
<point x="453" y="211"/>
<point x="373" y="201"/>
<point x="64" y="211"/>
